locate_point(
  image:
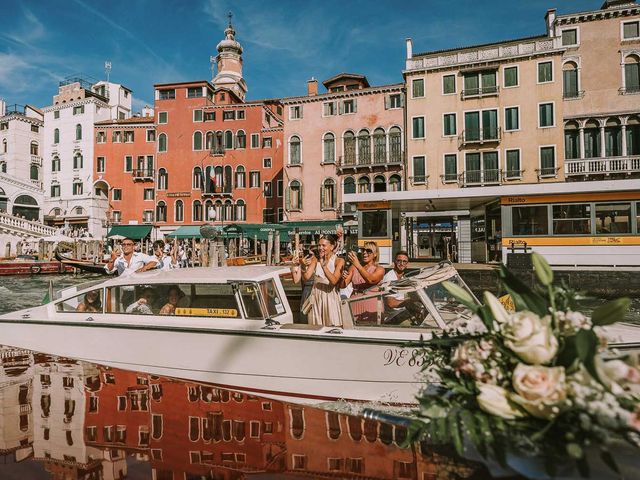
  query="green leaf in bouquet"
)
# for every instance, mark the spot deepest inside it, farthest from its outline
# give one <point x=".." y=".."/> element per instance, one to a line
<point x="523" y="296"/>
<point x="431" y="410"/>
<point x="484" y="431"/>
<point x="468" y="424"/>
<point x="611" y="312"/>
<point x="500" y="445"/>
<point x="454" y="432"/>
<point x="586" y="348"/>
<point x="461" y="294"/>
<point x="608" y="460"/>
<point x="542" y="269"/>
<point x="568" y="353"/>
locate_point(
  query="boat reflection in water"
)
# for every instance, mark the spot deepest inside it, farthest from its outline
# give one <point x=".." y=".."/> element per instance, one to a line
<point x="83" y="421"/>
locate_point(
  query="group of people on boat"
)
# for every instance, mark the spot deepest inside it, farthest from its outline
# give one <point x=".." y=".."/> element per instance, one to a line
<point x="327" y="278"/>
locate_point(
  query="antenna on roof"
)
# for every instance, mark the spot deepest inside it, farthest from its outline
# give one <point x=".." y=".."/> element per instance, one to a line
<point x="107" y="69"/>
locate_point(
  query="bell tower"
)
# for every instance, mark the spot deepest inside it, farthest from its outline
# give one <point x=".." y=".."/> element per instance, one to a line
<point x="229" y="64"/>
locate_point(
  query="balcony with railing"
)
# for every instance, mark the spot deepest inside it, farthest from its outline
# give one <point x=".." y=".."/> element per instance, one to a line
<point x="211" y="189"/>
<point x="217" y="151"/>
<point x="602" y="166"/>
<point x="573" y="94"/>
<point x="630" y="90"/>
<point x="143" y="175"/>
<point x="36" y="160"/>
<point x="547" y="172"/>
<point x="480" y="136"/>
<point x="419" y="181"/>
<point x="381" y="159"/>
<point x="480" y="92"/>
<point x="479" y="178"/>
<point x="449" y="178"/>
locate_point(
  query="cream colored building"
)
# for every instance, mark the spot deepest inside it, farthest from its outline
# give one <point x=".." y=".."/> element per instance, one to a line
<point x="534" y="140"/>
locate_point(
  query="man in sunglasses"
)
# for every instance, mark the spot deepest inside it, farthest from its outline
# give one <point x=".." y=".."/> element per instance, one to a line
<point x="399" y="266"/>
<point x="130" y="261"/>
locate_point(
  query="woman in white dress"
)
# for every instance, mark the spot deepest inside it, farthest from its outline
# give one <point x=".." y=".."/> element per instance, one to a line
<point x="324" y="300"/>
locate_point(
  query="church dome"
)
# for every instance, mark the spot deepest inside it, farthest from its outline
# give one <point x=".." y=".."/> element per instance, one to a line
<point x="229" y="42"/>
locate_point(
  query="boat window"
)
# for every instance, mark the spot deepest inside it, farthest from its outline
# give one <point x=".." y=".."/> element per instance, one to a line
<point x="271" y="298"/>
<point x="187" y="300"/>
<point x="89" y="302"/>
<point x="251" y="300"/>
<point x="448" y="307"/>
<point x="391" y="309"/>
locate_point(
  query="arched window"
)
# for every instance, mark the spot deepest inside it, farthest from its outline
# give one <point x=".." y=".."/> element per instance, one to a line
<point x="329" y="142"/>
<point x="34" y="174"/>
<point x="241" y="211"/>
<point x="56" y="136"/>
<point x="613" y="138"/>
<point x="78" y="211"/>
<point x="3" y="167"/>
<point x="161" y="212"/>
<point x="328" y="197"/>
<point x="34" y="148"/>
<point x="78" y="132"/>
<point x="294" y="151"/>
<point x="218" y="179"/>
<point x="179" y="211"/>
<point x="197" y="178"/>
<point x="592" y="144"/>
<point x="633" y="135"/>
<point x="162" y="142"/>
<point x="229" y="213"/>
<point x="197" y="211"/>
<point x="363" y="185"/>
<point x="77" y="161"/>
<point x="395" y="183"/>
<point x="228" y="179"/>
<point x="293" y="198"/>
<point x="570" y="80"/>
<point x="208" y="209"/>
<point x="27" y="207"/>
<point x="364" y="148"/>
<point x="218" y="143"/>
<point x="349" y="147"/>
<point x="379" y="184"/>
<point x="209" y="141"/>
<point x="349" y="185"/>
<point x="632" y="74"/>
<point x="379" y="146"/>
<point x="163" y="179"/>
<point x="241" y="139"/>
<point x="241" y="178"/>
<point x="219" y="210"/>
<point x="4" y="145"/>
<point x="197" y="140"/>
<point x="395" y="145"/>
<point x="571" y="140"/>
<point x="55" y="164"/>
<point x="228" y="139"/>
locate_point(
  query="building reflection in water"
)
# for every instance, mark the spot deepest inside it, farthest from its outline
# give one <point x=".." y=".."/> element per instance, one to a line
<point x="83" y="421"/>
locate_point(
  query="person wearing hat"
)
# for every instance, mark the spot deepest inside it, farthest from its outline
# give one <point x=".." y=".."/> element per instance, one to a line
<point x="165" y="255"/>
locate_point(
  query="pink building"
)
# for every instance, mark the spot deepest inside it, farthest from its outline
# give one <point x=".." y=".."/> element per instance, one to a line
<point x="347" y="140"/>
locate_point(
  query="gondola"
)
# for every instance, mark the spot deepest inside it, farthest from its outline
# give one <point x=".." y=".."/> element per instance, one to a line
<point x="84" y="265"/>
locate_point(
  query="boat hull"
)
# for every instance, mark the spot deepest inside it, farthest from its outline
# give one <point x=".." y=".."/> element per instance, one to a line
<point x="32" y="268"/>
<point x="294" y="367"/>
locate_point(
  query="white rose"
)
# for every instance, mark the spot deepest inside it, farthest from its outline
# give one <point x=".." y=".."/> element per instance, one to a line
<point x="530" y="337"/>
<point x="618" y="376"/>
<point x="541" y="391"/>
<point x="495" y="400"/>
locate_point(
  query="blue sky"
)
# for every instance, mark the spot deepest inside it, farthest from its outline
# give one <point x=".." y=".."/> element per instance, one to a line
<point x="285" y="42"/>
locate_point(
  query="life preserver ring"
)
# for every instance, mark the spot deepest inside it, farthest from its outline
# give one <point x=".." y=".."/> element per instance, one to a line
<point x="35" y="268"/>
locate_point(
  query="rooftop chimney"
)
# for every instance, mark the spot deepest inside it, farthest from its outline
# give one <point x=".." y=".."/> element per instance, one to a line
<point x="550" y="19"/>
<point x="616" y="3"/>
<point x="409" y="48"/>
<point x="312" y="87"/>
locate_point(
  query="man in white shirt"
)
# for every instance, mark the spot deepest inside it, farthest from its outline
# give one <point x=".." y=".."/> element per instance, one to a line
<point x="399" y="266"/>
<point x="129" y="261"/>
<point x="164" y="255"/>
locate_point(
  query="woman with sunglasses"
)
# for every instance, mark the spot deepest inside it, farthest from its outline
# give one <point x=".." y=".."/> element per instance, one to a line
<point x="362" y="276"/>
<point x="323" y="305"/>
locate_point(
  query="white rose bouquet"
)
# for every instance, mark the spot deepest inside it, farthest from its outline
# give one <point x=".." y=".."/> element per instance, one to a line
<point x="538" y="382"/>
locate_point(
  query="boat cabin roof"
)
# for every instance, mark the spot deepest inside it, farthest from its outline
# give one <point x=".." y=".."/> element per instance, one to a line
<point x="200" y="275"/>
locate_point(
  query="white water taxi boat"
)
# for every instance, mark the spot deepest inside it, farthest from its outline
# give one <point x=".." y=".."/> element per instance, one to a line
<point x="235" y="327"/>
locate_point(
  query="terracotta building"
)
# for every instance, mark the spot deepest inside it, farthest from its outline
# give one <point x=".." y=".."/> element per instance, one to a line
<point x="219" y="157"/>
<point x="124" y="168"/>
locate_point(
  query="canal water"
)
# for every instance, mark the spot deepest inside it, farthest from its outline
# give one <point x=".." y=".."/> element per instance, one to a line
<point x="63" y="418"/>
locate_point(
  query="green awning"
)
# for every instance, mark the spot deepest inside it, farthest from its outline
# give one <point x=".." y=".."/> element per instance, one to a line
<point x="135" y="232"/>
<point x="252" y="230"/>
<point x="186" y="231"/>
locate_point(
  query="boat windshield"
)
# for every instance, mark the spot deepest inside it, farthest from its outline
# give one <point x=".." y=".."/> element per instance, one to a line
<point x="448" y="307"/>
<point x="409" y="308"/>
